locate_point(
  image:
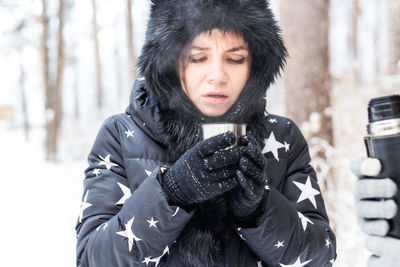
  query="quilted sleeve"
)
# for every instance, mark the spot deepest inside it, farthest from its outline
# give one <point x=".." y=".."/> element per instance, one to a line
<point x="117" y="227"/>
<point x="293" y="229"/>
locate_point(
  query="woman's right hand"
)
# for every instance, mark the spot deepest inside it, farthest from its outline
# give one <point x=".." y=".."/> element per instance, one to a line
<point x="203" y="172"/>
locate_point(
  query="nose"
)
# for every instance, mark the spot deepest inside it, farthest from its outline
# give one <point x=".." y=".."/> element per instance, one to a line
<point x="217" y="74"/>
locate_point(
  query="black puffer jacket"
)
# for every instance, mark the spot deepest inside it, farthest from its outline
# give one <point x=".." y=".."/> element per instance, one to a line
<point x="125" y="219"/>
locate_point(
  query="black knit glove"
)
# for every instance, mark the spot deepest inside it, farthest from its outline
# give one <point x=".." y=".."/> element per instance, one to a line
<point x="203" y="172"/>
<point x="246" y="198"/>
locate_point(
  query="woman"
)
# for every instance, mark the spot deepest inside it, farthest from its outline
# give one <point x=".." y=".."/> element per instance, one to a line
<point x="156" y="193"/>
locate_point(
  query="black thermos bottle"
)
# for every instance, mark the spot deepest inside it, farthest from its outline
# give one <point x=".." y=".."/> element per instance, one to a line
<point x="383" y="143"/>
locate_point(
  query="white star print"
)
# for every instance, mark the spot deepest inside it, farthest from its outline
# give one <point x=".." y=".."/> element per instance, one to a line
<point x="298" y="263"/>
<point x="272" y="120"/>
<point x="267" y="187"/>
<point x="328" y="243"/>
<point x="307" y="191"/>
<point x="332" y="261"/>
<point x="176" y="212"/>
<point x="129" y="234"/>
<point x="147" y="260"/>
<point x="156" y="260"/>
<point x="129" y="133"/>
<point x="304" y="220"/>
<point x="140" y="79"/>
<point x="259" y="264"/>
<point x="271" y="145"/>
<point x="241" y="236"/>
<point x="152" y="223"/>
<point x="106" y="161"/>
<point x="84" y="205"/>
<point x="287" y="146"/>
<point x="147" y="172"/>
<point x="163" y="169"/>
<point x="127" y="193"/>
<point x="96" y="172"/>
<point x="279" y="244"/>
<point x="105" y="225"/>
<point x="266" y="114"/>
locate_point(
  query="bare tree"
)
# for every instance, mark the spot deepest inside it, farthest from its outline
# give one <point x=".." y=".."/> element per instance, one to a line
<point x="118" y="75"/>
<point x="49" y="98"/>
<point x="76" y="88"/>
<point x="60" y="73"/>
<point x="376" y="32"/>
<point x="307" y="77"/>
<point x="20" y="42"/>
<point x="22" y="79"/>
<point x="53" y="87"/>
<point x="394" y="37"/>
<point x="354" y="40"/>
<point x="131" y="54"/>
<point x="307" y="81"/>
<point x="97" y="58"/>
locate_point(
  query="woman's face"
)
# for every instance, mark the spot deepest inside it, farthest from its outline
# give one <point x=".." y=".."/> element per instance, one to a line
<point x="215" y="70"/>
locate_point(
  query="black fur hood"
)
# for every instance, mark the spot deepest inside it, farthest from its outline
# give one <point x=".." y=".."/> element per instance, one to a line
<point x="173" y="24"/>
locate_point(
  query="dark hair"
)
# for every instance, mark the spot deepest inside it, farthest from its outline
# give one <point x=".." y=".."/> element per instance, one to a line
<point x="173" y="24"/>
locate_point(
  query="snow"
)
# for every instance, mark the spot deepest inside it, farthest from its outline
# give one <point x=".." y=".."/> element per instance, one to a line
<point x="40" y="203"/>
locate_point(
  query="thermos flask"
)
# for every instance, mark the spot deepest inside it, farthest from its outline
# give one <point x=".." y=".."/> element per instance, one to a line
<point x="383" y="143"/>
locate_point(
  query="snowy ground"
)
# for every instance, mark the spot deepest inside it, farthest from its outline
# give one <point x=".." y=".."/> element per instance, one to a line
<point x="39" y="204"/>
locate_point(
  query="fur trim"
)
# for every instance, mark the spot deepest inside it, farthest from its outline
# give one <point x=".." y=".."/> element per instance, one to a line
<point x="180" y="133"/>
<point x="208" y="233"/>
<point x="174" y="24"/>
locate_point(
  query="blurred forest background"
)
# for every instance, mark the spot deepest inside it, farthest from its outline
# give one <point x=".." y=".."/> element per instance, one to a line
<point x="67" y="65"/>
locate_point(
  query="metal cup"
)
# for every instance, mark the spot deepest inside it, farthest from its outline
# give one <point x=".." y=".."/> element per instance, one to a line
<point x="213" y="129"/>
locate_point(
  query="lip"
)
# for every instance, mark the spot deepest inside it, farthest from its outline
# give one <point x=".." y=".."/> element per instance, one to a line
<point x="215" y="97"/>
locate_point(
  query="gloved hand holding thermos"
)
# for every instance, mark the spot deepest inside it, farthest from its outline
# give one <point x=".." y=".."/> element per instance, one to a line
<point x="377" y="197"/>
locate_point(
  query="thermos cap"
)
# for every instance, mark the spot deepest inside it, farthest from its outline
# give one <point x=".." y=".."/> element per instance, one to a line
<point x="384" y="108"/>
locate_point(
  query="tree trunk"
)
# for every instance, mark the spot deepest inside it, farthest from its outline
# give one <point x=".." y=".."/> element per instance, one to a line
<point x="97" y="58"/>
<point x="131" y="53"/>
<point x="377" y="33"/>
<point x="394" y="37"/>
<point x="60" y="74"/>
<point x="22" y="79"/>
<point x="307" y="78"/>
<point x="118" y="74"/>
<point x="307" y="81"/>
<point x="53" y="88"/>
<point x="49" y="90"/>
<point x="76" y="91"/>
<point x="354" y="41"/>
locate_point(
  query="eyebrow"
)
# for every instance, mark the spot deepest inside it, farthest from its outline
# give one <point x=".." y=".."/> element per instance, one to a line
<point x="233" y="49"/>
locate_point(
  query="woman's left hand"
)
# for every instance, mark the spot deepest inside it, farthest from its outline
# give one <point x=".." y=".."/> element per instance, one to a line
<point x="247" y="197"/>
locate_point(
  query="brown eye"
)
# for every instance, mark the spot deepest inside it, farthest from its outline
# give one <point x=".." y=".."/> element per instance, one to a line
<point x="197" y="59"/>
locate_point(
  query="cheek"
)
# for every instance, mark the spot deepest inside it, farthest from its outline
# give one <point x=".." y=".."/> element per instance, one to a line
<point x="240" y="80"/>
<point x="192" y="78"/>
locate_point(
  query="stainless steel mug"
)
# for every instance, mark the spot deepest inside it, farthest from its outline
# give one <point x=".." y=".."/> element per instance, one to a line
<point x="213" y="129"/>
